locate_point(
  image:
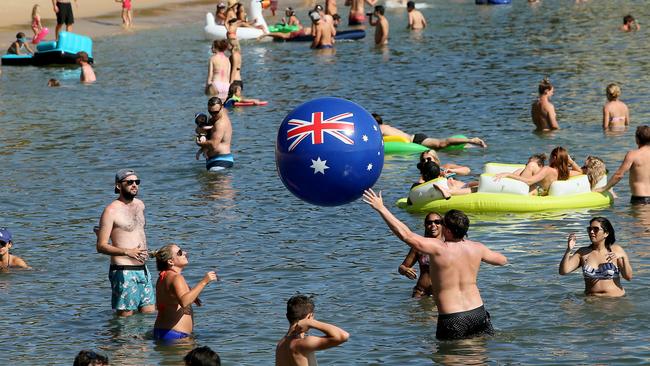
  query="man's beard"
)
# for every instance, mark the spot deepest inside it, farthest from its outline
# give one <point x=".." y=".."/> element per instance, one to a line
<point x="128" y="195"/>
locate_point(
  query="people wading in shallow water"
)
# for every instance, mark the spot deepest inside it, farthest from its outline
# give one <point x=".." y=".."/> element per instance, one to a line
<point x="542" y="111"/>
<point x="454" y="265"/>
<point x="603" y="262"/>
<point x="616" y="116"/>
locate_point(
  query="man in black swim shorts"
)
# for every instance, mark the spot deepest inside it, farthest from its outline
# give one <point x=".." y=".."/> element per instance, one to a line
<point x="64" y="15"/>
<point x="638" y="163"/>
<point x="454" y="265"/>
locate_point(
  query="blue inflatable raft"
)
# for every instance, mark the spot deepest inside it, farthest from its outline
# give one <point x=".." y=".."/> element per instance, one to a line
<point x="493" y="2"/>
<point x="64" y="51"/>
<point x="17" y="60"/>
<point x="346" y="34"/>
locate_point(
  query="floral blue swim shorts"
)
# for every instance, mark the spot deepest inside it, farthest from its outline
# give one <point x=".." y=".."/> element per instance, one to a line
<point x="131" y="287"/>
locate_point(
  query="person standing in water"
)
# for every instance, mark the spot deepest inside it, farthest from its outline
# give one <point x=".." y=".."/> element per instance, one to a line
<point x="416" y="19"/>
<point x="638" y="163"/>
<point x="122" y="222"/>
<point x="297" y="347"/>
<point x="432" y="229"/>
<point x="542" y="110"/>
<point x="380" y="24"/>
<point x="217" y="143"/>
<point x="218" y="80"/>
<point x="454" y="266"/>
<point x="616" y="115"/>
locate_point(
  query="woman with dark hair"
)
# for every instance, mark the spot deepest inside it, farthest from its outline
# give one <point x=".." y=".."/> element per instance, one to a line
<point x="603" y="263"/>
<point x="560" y="167"/>
<point x="432" y="229"/>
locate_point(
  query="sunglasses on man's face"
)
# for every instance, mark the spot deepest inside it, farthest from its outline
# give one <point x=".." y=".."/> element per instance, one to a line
<point x="131" y="181"/>
<point x="214" y="112"/>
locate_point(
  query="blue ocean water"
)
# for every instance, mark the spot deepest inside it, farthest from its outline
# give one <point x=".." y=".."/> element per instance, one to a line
<point x="474" y="70"/>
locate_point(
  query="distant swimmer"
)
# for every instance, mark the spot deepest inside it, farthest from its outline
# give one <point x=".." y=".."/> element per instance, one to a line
<point x="616" y="115"/>
<point x="235" y="95"/>
<point x="416" y="19"/>
<point x="122" y="223"/>
<point x="291" y="18"/>
<point x="323" y="32"/>
<point x="432" y="229"/>
<point x="380" y="24"/>
<point x="357" y="15"/>
<point x="90" y="358"/>
<point x="454" y="265"/>
<point x="174" y="298"/>
<point x="7" y="260"/>
<point x="629" y="24"/>
<point x="87" y="73"/>
<point x="638" y="163"/>
<point x="603" y="262"/>
<point x="218" y="80"/>
<point x="297" y="348"/>
<point x="217" y="143"/>
<point x="422" y="139"/>
<point x="542" y="110"/>
<point x="202" y="356"/>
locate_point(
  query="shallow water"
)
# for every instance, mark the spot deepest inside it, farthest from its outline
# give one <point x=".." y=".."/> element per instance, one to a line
<point x="474" y="70"/>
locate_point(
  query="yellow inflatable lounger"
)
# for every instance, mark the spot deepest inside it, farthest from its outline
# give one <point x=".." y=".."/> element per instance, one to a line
<point x="507" y="195"/>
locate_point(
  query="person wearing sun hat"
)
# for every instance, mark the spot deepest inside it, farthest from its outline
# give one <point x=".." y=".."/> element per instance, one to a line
<point x="7" y="260"/>
<point x="122" y="222"/>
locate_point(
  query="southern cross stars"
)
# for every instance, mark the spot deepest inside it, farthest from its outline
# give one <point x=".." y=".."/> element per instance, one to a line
<point x="319" y="165"/>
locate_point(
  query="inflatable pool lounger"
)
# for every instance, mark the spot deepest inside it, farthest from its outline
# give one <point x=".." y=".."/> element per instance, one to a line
<point x="64" y="51"/>
<point x="346" y="34"/>
<point x="17" y="60"/>
<point x="506" y="195"/>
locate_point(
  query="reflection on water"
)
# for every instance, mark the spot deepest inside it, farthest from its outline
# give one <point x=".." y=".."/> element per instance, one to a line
<point x="474" y="70"/>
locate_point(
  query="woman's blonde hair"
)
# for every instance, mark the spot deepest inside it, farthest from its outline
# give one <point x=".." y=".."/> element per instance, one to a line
<point x="613" y="91"/>
<point x="163" y="255"/>
<point x="595" y="169"/>
<point x="35" y="10"/>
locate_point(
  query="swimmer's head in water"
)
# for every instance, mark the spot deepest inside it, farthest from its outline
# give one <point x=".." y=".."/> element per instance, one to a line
<point x="87" y="357"/>
<point x="53" y="83"/>
<point x="559" y="160"/>
<point x="545" y="86"/>
<point x="379" y="9"/>
<point x="378" y="118"/>
<point x="219" y="45"/>
<point x="235" y="89"/>
<point x="410" y="5"/>
<point x="613" y="91"/>
<point x="628" y="19"/>
<point x="643" y="135"/>
<point x="429" y="170"/>
<point x="540" y="159"/>
<point x="299" y="307"/>
<point x="457" y="223"/>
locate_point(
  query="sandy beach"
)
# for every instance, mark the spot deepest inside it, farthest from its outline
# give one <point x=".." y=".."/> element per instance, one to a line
<point x="102" y="18"/>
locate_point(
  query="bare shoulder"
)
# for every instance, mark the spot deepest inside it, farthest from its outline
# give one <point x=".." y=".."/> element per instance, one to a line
<point x="617" y="249"/>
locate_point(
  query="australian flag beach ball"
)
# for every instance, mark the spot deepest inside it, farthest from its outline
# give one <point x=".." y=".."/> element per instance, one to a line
<point x="328" y="151"/>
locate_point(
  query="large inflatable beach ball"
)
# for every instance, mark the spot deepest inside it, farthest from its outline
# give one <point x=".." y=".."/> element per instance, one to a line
<point x="328" y="151"/>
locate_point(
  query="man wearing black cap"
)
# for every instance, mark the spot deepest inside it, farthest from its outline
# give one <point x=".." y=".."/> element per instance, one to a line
<point x="123" y="223"/>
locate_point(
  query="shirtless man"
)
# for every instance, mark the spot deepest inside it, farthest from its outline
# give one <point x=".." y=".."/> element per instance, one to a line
<point x="64" y="15"/>
<point x="323" y="32"/>
<point x="381" y="25"/>
<point x="297" y="348"/>
<point x="454" y="266"/>
<point x="217" y="143"/>
<point x="543" y="111"/>
<point x="422" y="139"/>
<point x="123" y="223"/>
<point x="357" y="15"/>
<point x="416" y="19"/>
<point x="638" y="163"/>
